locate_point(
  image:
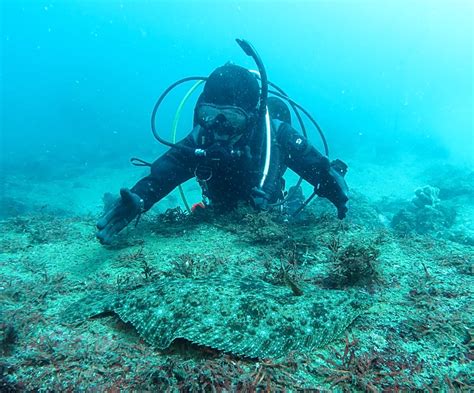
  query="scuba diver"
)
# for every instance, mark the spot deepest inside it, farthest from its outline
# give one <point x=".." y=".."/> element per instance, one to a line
<point x="240" y="146"/>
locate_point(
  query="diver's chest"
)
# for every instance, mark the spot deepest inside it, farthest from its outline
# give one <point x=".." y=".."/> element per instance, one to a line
<point x="236" y="172"/>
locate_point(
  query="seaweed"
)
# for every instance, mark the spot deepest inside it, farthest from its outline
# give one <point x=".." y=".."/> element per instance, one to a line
<point x="353" y="265"/>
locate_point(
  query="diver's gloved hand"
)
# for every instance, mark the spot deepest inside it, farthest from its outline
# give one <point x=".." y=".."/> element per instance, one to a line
<point x="341" y="211"/>
<point x="335" y="194"/>
<point x="334" y="188"/>
<point x="128" y="207"/>
<point x="259" y="199"/>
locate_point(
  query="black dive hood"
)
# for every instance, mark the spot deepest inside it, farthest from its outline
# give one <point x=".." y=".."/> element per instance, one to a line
<point x="262" y="105"/>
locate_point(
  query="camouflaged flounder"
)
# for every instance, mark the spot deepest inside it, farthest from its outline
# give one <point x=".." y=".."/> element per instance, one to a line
<point x="245" y="316"/>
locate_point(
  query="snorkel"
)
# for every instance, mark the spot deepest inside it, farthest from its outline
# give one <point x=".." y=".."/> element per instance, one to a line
<point x="263" y="115"/>
<point x="262" y="73"/>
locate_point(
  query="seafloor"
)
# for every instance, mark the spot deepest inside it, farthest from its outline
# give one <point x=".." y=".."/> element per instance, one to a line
<point x="403" y="259"/>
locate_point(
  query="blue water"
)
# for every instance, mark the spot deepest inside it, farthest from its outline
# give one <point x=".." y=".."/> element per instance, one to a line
<point x="79" y="78"/>
<point x="391" y="85"/>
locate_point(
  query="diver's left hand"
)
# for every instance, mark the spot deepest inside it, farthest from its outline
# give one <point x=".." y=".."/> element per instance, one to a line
<point x="334" y="187"/>
<point x="341" y="211"/>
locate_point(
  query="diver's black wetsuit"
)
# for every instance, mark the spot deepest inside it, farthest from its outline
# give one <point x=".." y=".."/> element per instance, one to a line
<point x="232" y="178"/>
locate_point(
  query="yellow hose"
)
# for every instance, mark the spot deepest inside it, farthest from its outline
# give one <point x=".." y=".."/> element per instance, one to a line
<point x="174" y="129"/>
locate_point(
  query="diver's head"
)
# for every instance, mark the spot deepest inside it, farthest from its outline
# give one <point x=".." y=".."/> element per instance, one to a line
<point x="278" y="109"/>
<point x="228" y="104"/>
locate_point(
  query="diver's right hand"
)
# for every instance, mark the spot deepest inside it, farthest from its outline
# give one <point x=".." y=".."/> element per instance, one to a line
<point x="128" y="207"/>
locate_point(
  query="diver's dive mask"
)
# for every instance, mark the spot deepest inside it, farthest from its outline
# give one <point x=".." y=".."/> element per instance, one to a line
<point x="223" y="119"/>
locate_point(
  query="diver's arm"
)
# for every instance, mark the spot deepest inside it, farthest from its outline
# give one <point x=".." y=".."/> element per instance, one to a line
<point x="311" y="165"/>
<point x="169" y="171"/>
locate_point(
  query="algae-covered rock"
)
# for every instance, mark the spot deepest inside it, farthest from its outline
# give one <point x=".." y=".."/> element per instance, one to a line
<point x="353" y="265"/>
<point x="426" y="196"/>
<point x="425" y="214"/>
